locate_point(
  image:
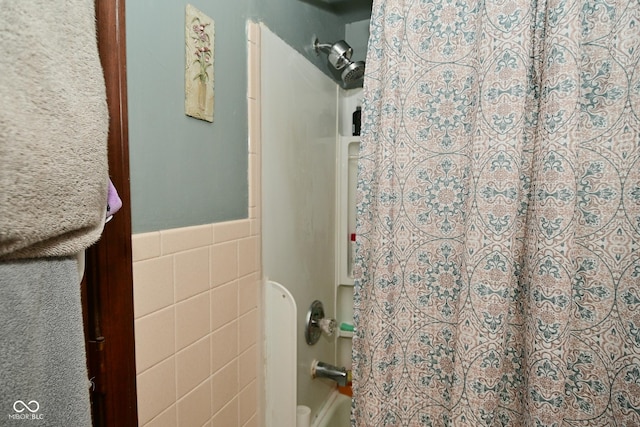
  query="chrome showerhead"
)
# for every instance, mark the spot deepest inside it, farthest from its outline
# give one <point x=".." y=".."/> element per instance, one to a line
<point x="339" y="53"/>
<point x="339" y="56"/>
<point x="353" y="72"/>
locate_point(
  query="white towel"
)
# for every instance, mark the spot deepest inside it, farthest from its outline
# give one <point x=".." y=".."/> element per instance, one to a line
<point x="53" y="129"/>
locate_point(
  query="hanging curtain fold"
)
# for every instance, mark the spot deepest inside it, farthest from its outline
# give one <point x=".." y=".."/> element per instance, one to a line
<point x="498" y="217"/>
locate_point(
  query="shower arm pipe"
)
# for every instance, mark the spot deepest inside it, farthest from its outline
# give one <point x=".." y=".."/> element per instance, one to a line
<point x="339" y="49"/>
<point x="325" y="47"/>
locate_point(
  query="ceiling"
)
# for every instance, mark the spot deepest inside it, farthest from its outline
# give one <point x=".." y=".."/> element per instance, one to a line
<point x="353" y="10"/>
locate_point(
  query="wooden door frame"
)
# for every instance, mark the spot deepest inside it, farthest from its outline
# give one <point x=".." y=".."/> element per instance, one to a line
<point x="108" y="285"/>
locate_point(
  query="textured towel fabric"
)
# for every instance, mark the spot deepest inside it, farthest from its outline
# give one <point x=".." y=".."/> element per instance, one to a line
<point x="53" y="129"/>
<point x="42" y="355"/>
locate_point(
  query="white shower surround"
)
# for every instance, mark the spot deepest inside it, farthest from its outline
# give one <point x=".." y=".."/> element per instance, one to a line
<point x="299" y="133"/>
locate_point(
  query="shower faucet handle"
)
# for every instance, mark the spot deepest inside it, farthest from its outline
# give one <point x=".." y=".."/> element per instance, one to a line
<point x="328" y="326"/>
<point x="316" y="323"/>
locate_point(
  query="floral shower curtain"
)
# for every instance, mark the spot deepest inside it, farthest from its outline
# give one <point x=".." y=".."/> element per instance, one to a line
<point x="498" y="262"/>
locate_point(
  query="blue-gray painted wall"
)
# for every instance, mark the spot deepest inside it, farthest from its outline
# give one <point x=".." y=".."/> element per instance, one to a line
<point x="189" y="172"/>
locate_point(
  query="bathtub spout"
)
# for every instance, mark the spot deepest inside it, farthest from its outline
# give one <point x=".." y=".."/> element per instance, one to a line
<point x="325" y="370"/>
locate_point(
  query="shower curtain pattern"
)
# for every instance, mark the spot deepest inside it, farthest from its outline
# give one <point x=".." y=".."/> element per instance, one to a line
<point x="498" y="261"/>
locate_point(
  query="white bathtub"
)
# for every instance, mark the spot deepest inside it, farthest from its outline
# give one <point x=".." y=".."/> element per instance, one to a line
<point x="335" y="413"/>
